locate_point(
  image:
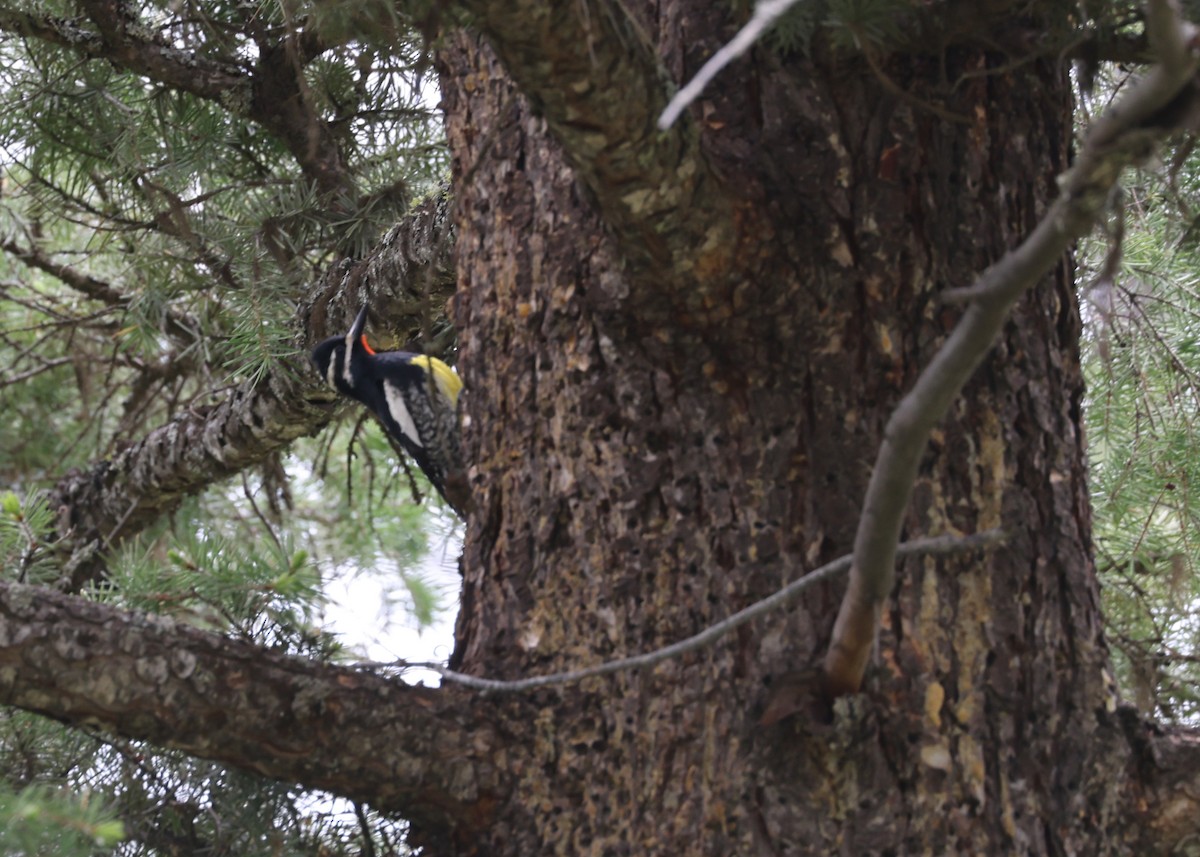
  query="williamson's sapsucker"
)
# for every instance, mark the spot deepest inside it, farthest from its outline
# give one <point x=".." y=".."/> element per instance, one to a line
<point x="415" y="397"/>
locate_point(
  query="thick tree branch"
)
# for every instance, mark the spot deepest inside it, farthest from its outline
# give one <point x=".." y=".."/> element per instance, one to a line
<point x="117" y="498"/>
<point x="409" y="271"/>
<point x="590" y="70"/>
<point x="281" y="102"/>
<point x="1162" y="103"/>
<point x="425" y="753"/>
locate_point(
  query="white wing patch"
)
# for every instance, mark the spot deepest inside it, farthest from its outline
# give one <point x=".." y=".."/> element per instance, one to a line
<point x="399" y="412"/>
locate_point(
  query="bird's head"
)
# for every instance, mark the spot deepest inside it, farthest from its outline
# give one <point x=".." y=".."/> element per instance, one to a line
<point x="339" y="358"/>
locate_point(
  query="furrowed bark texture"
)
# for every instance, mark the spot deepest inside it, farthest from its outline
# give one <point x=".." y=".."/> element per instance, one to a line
<point x="149" y="678"/>
<point x="642" y="470"/>
<point x="118" y="497"/>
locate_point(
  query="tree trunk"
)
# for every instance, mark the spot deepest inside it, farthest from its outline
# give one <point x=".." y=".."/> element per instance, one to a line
<point x="647" y="462"/>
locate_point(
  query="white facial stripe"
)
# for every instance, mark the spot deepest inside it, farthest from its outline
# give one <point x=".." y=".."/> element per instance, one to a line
<point x="400" y="414"/>
<point x="331" y="370"/>
<point x="346" y="359"/>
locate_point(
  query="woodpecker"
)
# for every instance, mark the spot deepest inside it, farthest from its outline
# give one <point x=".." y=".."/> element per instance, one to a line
<point x="415" y="397"/>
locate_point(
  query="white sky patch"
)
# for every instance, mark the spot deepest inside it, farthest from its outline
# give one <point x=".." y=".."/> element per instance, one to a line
<point x="369" y="609"/>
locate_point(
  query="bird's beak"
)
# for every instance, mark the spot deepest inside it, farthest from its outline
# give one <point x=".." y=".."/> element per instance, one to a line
<point x="360" y="323"/>
<point x="356" y="329"/>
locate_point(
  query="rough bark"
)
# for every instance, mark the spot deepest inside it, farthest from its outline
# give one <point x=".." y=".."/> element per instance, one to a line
<point x="429" y="753"/>
<point x="673" y="220"/>
<point x="630" y="492"/>
<point x="1115" y="142"/>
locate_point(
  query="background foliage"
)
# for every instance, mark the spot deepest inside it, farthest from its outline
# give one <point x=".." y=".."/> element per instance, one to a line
<point x="156" y="242"/>
<point x="1142" y="363"/>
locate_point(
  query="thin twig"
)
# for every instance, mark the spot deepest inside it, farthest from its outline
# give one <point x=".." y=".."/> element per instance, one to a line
<point x="368" y="846"/>
<point x="34" y="372"/>
<point x="939" y="545"/>
<point x="765" y="13"/>
<point x="261" y="517"/>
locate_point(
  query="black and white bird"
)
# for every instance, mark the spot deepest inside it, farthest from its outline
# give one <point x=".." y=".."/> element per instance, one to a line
<point x="415" y="396"/>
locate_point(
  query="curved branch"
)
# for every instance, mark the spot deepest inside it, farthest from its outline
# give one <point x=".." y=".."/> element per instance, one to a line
<point x="766" y="12"/>
<point x="1161" y="104"/>
<point x="425" y="753"/>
